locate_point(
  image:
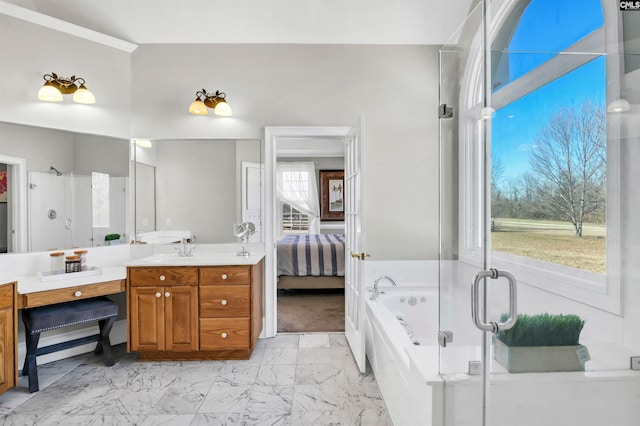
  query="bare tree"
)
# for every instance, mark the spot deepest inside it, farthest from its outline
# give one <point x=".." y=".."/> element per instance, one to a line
<point x="497" y="170"/>
<point x="569" y="159"/>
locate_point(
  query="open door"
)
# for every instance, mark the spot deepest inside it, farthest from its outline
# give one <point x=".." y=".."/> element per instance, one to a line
<point x="354" y="237"/>
<point x="252" y="197"/>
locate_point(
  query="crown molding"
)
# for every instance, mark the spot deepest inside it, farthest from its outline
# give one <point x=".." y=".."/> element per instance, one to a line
<point x="65" y="27"/>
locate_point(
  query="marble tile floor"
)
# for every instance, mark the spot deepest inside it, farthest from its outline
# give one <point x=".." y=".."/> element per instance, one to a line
<point x="291" y="379"/>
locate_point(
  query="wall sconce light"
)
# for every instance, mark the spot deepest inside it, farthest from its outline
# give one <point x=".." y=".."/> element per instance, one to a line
<point x="205" y="100"/>
<point x="54" y="87"/>
<point x="619" y="105"/>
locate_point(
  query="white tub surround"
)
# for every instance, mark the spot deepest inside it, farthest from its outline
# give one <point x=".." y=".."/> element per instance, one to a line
<point x="416" y="393"/>
<point x="552" y="399"/>
<point x="401" y="343"/>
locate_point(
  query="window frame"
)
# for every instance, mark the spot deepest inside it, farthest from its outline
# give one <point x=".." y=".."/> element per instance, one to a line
<point x="593" y="289"/>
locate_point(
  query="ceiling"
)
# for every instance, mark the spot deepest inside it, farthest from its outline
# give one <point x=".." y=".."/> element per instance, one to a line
<point x="413" y="22"/>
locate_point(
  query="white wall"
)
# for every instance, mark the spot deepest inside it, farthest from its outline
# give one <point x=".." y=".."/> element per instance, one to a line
<point x="145" y="94"/>
<point x="395" y="87"/>
<point x="29" y="51"/>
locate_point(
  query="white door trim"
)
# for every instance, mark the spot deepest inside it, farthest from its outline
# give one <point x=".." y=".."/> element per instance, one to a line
<point x="271" y="137"/>
<point x="17" y="168"/>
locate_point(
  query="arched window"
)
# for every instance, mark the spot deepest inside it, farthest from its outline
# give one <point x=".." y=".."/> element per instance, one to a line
<point x="548" y="144"/>
<point x="539" y="30"/>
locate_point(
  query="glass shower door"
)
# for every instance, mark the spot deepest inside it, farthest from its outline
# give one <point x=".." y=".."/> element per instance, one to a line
<point x="500" y="209"/>
<point x="50" y="211"/>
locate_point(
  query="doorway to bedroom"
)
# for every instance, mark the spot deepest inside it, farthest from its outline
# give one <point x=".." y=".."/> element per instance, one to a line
<point x="309" y="212"/>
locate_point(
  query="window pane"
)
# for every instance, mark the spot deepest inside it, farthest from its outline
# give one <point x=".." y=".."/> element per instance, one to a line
<point x="100" y="199"/>
<point x="564" y="24"/>
<point x="294" y="221"/>
<point x="549" y="170"/>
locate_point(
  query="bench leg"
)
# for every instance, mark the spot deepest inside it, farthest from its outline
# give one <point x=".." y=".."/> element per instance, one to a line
<point x="104" y="344"/>
<point x="30" y="367"/>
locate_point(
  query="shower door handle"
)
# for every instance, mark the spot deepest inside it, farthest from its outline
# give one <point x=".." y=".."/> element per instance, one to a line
<point x="494" y="326"/>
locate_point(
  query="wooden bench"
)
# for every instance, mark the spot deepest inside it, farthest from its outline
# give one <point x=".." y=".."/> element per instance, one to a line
<point x="50" y="317"/>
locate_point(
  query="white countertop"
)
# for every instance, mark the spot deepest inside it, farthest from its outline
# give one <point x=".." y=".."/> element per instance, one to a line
<point x="113" y="261"/>
<point x="32" y="284"/>
<point x="199" y="259"/>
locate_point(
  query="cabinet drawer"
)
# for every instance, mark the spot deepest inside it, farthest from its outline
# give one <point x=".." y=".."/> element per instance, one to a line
<point x="178" y="275"/>
<point x="224" y="301"/>
<point x="224" y="333"/>
<point x="225" y="275"/>
<point x="50" y="297"/>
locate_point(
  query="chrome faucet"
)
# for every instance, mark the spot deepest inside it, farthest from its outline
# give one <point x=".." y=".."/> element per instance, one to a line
<point x="375" y="292"/>
<point x="185" y="250"/>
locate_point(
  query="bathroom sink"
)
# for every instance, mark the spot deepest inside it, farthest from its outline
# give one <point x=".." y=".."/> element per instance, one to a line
<point x="175" y="259"/>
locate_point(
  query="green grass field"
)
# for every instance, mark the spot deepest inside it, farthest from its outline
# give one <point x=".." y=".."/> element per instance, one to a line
<point x="552" y="241"/>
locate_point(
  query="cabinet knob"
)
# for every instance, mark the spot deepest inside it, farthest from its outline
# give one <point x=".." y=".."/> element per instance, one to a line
<point x="167" y="294"/>
<point x="158" y="294"/>
<point x="223" y="302"/>
<point x="223" y="335"/>
<point x="224" y="276"/>
<point x="162" y="278"/>
<point x="77" y="293"/>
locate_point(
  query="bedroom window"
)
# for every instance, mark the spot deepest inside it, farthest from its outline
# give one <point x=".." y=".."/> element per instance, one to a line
<point x="297" y="188"/>
<point x="293" y="220"/>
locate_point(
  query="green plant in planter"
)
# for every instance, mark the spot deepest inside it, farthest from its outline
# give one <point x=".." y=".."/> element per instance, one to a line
<point x="543" y="330"/>
<point x="111" y="237"/>
<point x="541" y="343"/>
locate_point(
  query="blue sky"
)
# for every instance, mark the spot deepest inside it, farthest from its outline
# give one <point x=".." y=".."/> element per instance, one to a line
<point x="516" y="126"/>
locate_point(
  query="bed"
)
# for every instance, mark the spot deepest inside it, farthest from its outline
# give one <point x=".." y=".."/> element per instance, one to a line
<point x="309" y="261"/>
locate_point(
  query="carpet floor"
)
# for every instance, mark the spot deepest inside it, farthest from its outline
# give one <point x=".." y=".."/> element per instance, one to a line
<point x="317" y="310"/>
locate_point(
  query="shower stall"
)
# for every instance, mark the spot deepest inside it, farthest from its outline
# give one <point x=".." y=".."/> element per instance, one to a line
<point x="69" y="210"/>
<point x="539" y="146"/>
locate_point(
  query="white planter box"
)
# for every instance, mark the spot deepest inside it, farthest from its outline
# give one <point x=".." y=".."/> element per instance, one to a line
<point x="539" y="359"/>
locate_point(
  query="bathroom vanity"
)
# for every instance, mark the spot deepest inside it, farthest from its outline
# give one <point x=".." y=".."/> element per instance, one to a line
<point x="203" y="307"/>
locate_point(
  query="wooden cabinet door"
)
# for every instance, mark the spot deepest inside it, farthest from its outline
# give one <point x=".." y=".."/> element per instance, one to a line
<point x="181" y="318"/>
<point x="7" y="349"/>
<point x="147" y="331"/>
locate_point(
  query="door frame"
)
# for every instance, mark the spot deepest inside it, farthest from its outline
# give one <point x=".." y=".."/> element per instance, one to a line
<point x="271" y="136"/>
<point x="17" y="214"/>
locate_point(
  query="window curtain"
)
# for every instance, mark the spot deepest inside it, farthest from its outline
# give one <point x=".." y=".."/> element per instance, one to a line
<point x="296" y="185"/>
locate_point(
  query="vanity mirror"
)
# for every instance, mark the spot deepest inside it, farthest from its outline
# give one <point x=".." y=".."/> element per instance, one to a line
<point x="74" y="190"/>
<point x="199" y="186"/>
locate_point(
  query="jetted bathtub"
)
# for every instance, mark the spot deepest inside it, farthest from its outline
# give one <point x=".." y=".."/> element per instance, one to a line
<point x="400" y="320"/>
